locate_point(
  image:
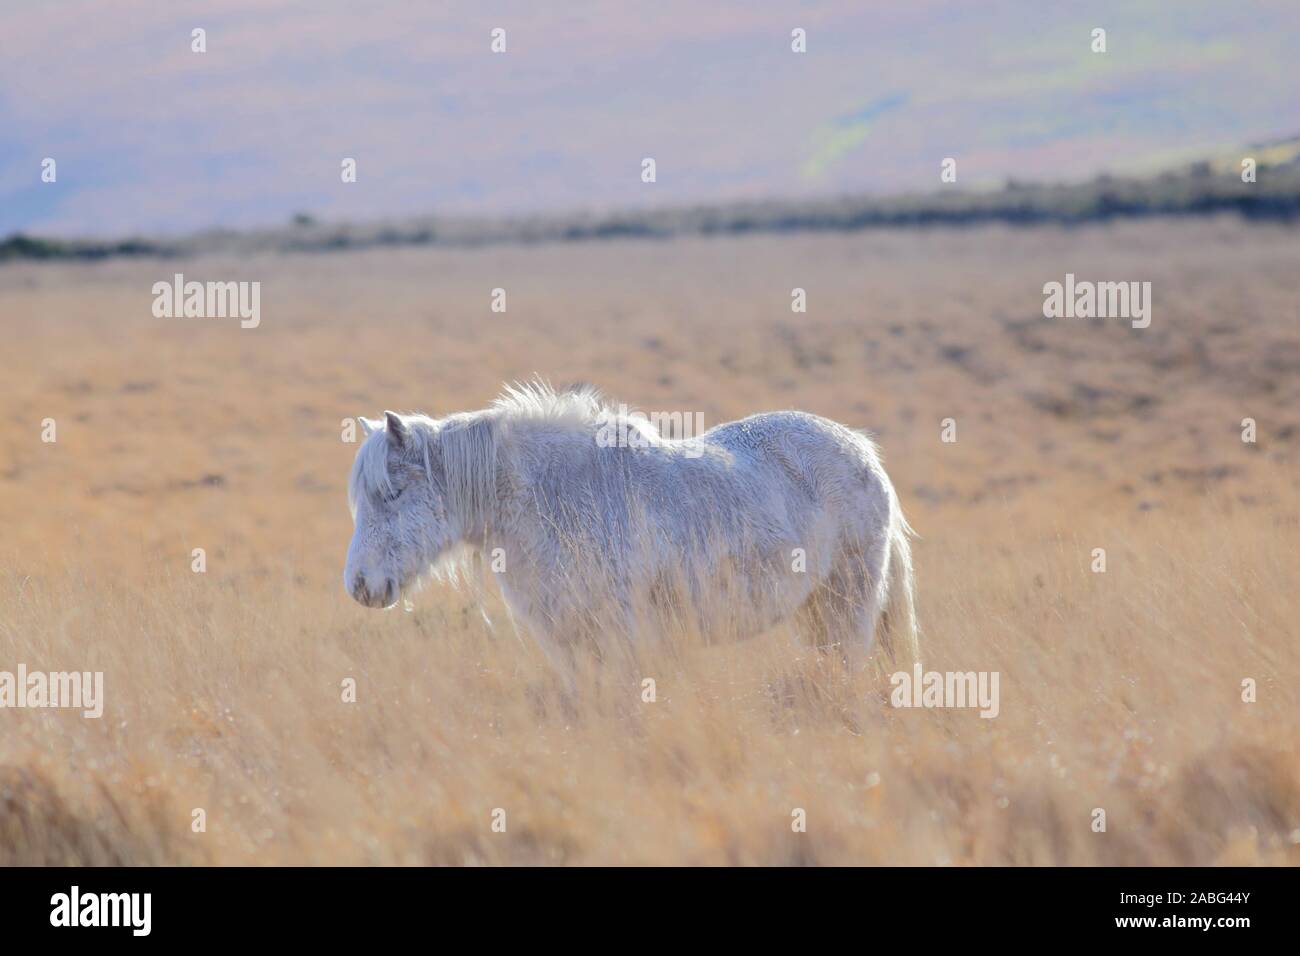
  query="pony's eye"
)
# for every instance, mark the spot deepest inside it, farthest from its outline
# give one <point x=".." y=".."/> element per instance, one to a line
<point x="391" y="495"/>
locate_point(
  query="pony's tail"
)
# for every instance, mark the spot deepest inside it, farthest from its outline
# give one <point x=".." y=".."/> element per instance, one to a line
<point x="900" y="630"/>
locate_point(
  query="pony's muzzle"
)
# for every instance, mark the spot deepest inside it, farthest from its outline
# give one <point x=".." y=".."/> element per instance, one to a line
<point x="374" y="596"/>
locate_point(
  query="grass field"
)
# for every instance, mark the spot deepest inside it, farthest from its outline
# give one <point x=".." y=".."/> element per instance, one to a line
<point x="1119" y="690"/>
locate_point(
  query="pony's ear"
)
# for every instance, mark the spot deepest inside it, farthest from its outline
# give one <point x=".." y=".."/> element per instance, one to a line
<point x="397" y="431"/>
<point x="368" y="426"/>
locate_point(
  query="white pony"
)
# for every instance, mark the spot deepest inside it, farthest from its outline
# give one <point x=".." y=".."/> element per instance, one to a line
<point x="778" y="516"/>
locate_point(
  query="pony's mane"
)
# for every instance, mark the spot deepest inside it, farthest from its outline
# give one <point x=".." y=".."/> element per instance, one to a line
<point x="467" y="445"/>
<point x="467" y="442"/>
<point x="578" y="404"/>
<point x="578" y="408"/>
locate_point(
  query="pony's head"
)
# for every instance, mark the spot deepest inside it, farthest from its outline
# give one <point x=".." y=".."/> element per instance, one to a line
<point x="399" y="509"/>
<point x="419" y="486"/>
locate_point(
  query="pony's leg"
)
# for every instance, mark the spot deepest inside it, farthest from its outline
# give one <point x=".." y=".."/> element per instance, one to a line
<point x="843" y="612"/>
<point x="860" y="629"/>
<point x="833" y="626"/>
<point x="558" y="652"/>
<point x="811" y="620"/>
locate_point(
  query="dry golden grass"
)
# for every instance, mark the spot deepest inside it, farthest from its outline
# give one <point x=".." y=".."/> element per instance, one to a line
<point x="1119" y="690"/>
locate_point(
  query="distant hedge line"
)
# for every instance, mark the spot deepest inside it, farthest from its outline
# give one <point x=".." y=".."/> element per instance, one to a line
<point x="1274" y="197"/>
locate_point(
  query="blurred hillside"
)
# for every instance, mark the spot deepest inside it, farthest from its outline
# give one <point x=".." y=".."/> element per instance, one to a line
<point x="1208" y="186"/>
